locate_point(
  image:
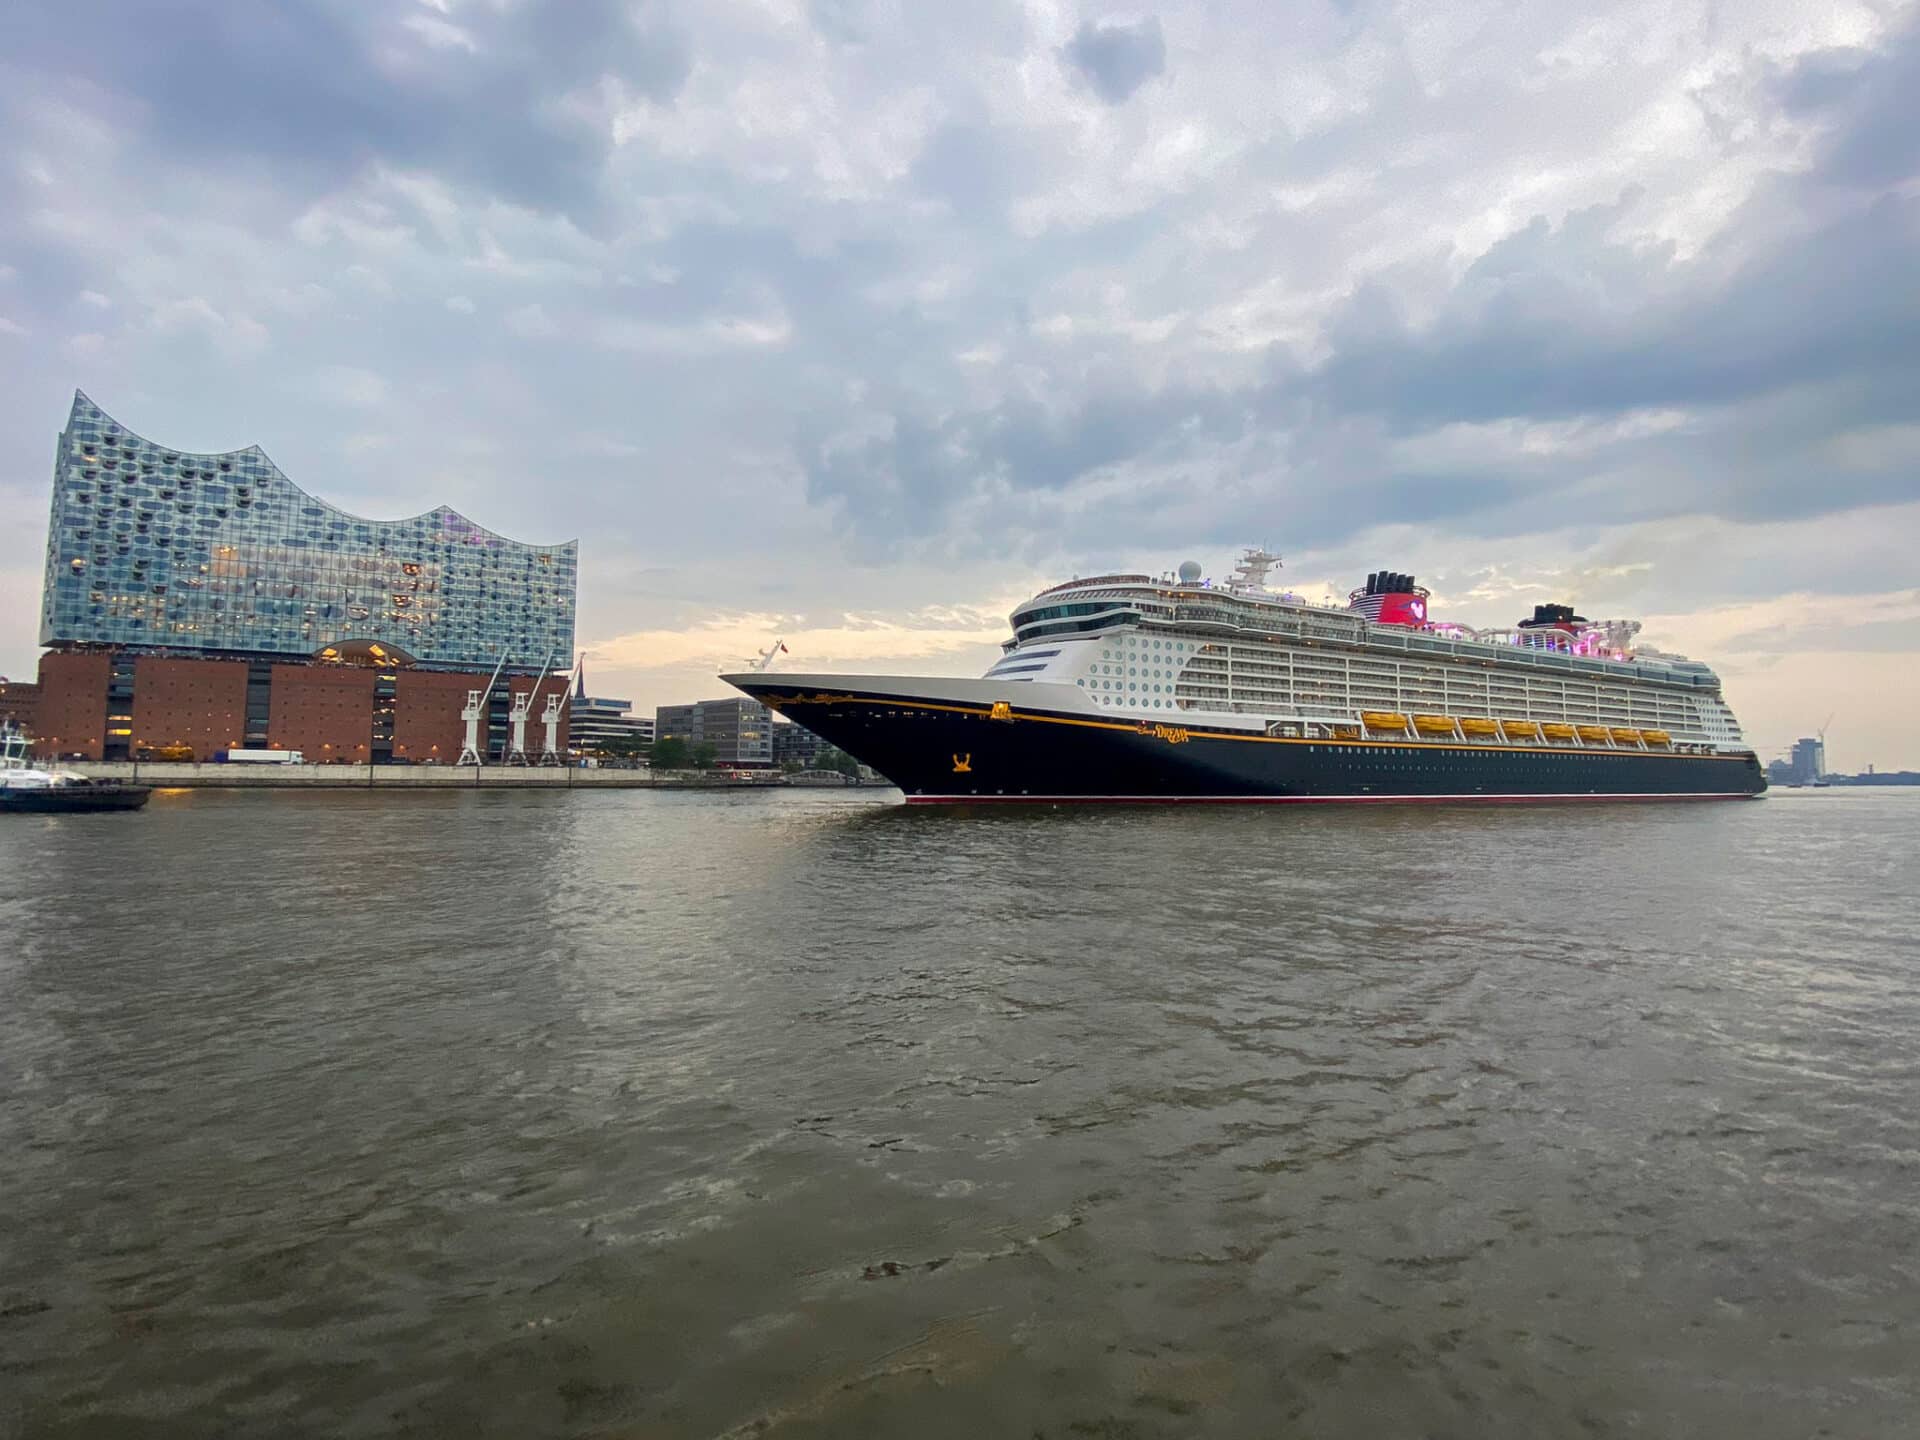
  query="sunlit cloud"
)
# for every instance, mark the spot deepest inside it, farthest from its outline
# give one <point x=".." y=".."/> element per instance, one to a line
<point x="730" y="641"/>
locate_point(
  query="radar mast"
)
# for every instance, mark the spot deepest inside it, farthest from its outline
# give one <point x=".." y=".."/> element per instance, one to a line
<point x="1250" y="575"/>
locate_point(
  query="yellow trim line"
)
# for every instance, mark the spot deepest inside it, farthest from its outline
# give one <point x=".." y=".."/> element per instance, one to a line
<point x="778" y="702"/>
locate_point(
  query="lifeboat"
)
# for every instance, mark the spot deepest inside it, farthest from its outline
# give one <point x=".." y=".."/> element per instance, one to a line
<point x="1480" y="727"/>
<point x="1433" y="724"/>
<point x="1520" y="729"/>
<point x="1595" y="734"/>
<point x="1557" y="732"/>
<point x="1627" y="737"/>
<point x="1346" y="732"/>
<point x="1382" y="720"/>
<point x="1656" y="737"/>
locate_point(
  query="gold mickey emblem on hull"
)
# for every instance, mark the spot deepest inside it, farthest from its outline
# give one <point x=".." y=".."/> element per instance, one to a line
<point x="963" y="764"/>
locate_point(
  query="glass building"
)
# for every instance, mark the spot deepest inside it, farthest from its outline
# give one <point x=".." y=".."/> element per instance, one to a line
<point x="161" y="549"/>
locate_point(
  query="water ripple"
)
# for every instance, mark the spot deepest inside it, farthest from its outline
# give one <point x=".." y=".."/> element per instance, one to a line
<point x="677" y="1115"/>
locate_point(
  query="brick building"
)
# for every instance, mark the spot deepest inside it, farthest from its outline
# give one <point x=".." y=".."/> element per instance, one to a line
<point x="20" y="705"/>
<point x="95" y="706"/>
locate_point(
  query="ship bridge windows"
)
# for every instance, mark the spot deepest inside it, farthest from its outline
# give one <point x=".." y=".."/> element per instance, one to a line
<point x="1042" y="613"/>
<point x="1075" y="627"/>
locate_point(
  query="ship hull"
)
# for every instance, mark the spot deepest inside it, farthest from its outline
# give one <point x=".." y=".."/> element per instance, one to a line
<point x="71" y="799"/>
<point x="942" y="742"/>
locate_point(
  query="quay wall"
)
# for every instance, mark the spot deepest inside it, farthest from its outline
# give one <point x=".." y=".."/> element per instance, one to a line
<point x="394" y="777"/>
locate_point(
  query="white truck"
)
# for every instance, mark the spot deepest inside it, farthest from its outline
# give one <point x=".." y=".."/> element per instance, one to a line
<point x="259" y="757"/>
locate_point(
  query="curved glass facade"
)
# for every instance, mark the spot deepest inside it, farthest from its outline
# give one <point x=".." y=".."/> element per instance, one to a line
<point x="160" y="548"/>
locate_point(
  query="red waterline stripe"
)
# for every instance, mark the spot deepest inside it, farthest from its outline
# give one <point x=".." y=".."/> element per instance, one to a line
<point x="1306" y="799"/>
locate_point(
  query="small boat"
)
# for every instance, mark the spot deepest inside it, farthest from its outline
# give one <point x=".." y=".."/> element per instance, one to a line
<point x="27" y="789"/>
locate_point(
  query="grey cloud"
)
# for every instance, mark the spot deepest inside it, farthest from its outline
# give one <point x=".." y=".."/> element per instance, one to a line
<point x="1554" y="325"/>
<point x="313" y="88"/>
<point x="840" y="20"/>
<point x="1580" y="325"/>
<point x="1805" y="331"/>
<point x="1116" y="58"/>
<point x="975" y="170"/>
<point x="1871" y="97"/>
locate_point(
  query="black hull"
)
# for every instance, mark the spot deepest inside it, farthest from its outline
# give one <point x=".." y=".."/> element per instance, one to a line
<point x="73" y="799"/>
<point x="953" y="751"/>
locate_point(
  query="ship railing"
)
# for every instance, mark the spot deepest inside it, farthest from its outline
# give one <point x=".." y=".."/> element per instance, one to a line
<point x="1339" y="628"/>
<point x="1314" y="727"/>
<point x="1098" y="580"/>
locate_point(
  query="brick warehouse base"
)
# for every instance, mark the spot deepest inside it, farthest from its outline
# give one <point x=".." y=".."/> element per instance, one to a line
<point x="165" y="776"/>
<point x="111" y="705"/>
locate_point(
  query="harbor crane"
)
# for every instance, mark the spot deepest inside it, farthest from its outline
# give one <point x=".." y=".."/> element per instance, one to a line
<point x="550" y="719"/>
<point x="517" y="716"/>
<point x="471" y="712"/>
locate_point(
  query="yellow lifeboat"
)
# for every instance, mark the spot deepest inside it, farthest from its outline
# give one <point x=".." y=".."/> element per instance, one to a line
<point x="1627" y="737"/>
<point x="1480" y="727"/>
<point x="1656" y="737"/>
<point x="1596" y="734"/>
<point x="1346" y="732"/>
<point x="1382" y="720"/>
<point x="1520" y="729"/>
<point x="1557" y="732"/>
<point x="1433" y="724"/>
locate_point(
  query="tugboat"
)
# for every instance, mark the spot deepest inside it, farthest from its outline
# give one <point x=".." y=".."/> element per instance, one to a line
<point x="26" y="789"/>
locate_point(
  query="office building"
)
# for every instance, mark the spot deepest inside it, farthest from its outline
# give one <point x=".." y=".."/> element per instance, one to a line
<point x="740" y="730"/>
<point x="203" y="602"/>
<point x="600" y="726"/>
<point x="796" y="745"/>
<point x="1809" y="761"/>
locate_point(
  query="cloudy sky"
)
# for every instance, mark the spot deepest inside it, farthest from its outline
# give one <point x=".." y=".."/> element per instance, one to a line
<point x="858" y="320"/>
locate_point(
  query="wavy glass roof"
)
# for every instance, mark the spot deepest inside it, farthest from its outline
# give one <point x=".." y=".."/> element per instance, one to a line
<point x="182" y="550"/>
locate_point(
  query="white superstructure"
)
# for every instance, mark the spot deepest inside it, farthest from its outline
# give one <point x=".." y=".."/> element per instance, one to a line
<point x="1160" y="647"/>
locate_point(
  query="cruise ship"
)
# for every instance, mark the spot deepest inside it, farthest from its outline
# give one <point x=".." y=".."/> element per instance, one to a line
<point x="1173" y="688"/>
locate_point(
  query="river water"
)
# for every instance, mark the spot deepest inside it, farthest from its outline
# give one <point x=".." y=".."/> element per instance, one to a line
<point x="806" y="1114"/>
